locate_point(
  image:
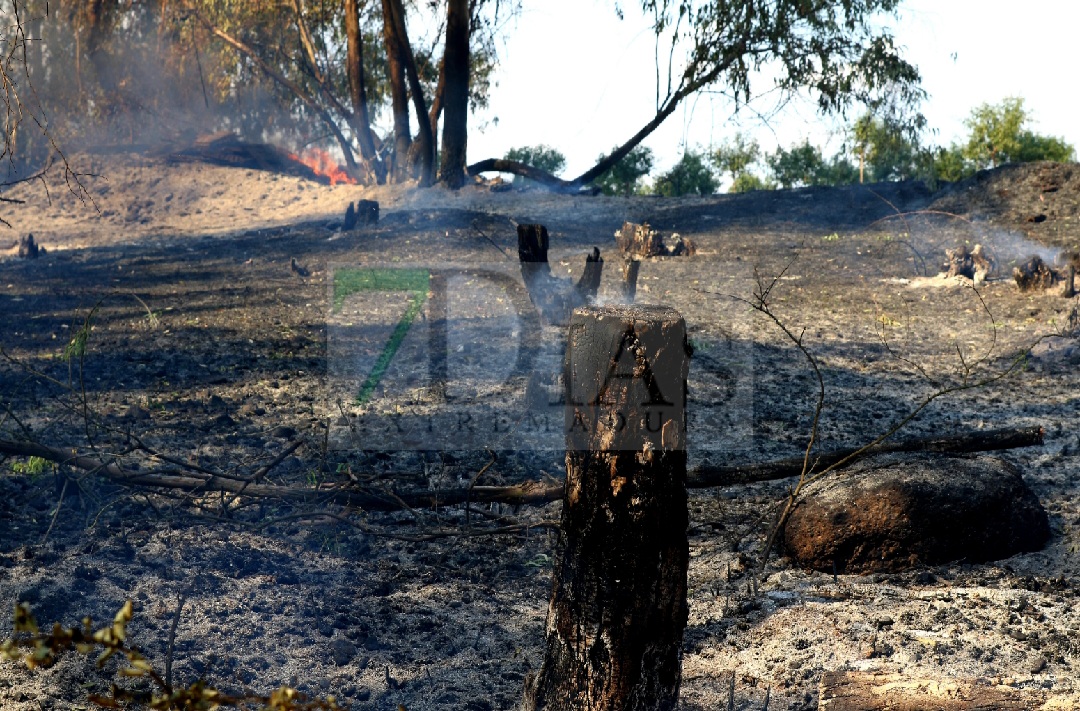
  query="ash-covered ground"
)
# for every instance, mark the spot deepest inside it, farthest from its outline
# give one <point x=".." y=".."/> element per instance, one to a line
<point x="208" y="350"/>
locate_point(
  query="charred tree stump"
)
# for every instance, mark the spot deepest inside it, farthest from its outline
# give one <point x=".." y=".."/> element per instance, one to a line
<point x="350" y="218"/>
<point x="554" y="298"/>
<point x="589" y="283"/>
<point x="630" y="268"/>
<point x="639" y="240"/>
<point x="367" y="212"/>
<point x="975" y="264"/>
<point x="618" y="602"/>
<point x="1033" y="274"/>
<point x="28" y="249"/>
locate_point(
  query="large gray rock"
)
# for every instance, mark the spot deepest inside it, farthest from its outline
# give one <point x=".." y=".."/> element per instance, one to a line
<point x="892" y="512"/>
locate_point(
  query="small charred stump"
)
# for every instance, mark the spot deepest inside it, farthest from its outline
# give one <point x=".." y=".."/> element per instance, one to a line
<point x="642" y="241"/>
<point x="618" y="604"/>
<point x="28" y="249"/>
<point x="365" y="213"/>
<point x="1033" y="275"/>
<point x="631" y="267"/>
<point x="554" y="298"/>
<point x="975" y="264"/>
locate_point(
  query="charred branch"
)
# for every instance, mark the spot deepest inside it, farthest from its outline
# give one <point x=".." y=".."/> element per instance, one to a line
<point x="195" y="480"/>
<point x="514" y="167"/>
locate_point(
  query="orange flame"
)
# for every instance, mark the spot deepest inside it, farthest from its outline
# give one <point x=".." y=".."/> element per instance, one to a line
<point x="323" y="165"/>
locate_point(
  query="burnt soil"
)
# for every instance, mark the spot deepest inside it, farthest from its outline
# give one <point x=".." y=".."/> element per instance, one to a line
<point x="206" y="348"/>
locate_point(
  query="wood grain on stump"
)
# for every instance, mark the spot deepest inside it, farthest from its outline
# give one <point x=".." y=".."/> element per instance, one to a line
<point x="896" y="511"/>
<point x="618" y="602"/>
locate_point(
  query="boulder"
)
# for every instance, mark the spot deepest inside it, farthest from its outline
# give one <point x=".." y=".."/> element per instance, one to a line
<point x="896" y="511"/>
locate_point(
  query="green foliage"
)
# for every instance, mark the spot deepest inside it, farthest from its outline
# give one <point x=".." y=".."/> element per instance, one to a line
<point x="690" y="176"/>
<point x="948" y="164"/>
<point x="748" y="182"/>
<point x="885" y="149"/>
<point x="39" y="650"/>
<point x="737" y="157"/>
<point x="543" y="157"/>
<point x="625" y="177"/>
<point x="798" y="166"/>
<point x="33" y="467"/>
<point x="999" y="135"/>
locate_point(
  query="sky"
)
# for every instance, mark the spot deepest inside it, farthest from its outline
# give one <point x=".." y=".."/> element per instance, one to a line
<point x="574" y="77"/>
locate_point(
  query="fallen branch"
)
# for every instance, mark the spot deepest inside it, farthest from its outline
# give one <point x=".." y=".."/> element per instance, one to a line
<point x="525" y="493"/>
<point x="989" y="440"/>
<point x="874" y="691"/>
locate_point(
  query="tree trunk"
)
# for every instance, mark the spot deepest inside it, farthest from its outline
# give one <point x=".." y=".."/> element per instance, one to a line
<point x="361" y="119"/>
<point x="455" y="71"/>
<point x="421" y="155"/>
<point x="618" y="601"/>
<point x="399" y="95"/>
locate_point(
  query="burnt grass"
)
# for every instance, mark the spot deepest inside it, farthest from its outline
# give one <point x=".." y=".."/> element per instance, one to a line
<point x="212" y="351"/>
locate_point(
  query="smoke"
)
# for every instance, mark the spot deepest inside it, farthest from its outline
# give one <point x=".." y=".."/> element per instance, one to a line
<point x="1011" y="248"/>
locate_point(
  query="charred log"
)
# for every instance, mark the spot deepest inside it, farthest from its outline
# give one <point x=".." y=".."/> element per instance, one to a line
<point x="878" y="691"/>
<point x="526" y="171"/>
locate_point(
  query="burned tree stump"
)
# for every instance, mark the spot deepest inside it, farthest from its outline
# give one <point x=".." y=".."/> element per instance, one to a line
<point x="367" y="212"/>
<point x="1033" y="274"/>
<point x="631" y="266"/>
<point x="554" y="298"/>
<point x="28" y="249"/>
<point x="639" y="240"/>
<point x="975" y="264"/>
<point x="350" y="218"/>
<point x="642" y="241"/>
<point x="618" y="602"/>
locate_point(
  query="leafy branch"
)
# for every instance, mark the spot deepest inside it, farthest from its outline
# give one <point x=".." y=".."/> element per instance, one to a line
<point x="39" y="650"/>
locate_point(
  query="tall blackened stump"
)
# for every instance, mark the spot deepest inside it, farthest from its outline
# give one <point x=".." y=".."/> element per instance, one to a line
<point x="553" y="297"/>
<point x="618" y="602"/>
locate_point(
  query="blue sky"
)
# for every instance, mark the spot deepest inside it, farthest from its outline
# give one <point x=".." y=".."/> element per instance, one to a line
<point x="574" y="77"/>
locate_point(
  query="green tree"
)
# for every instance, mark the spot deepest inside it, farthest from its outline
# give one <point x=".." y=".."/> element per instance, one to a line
<point x="542" y="157"/>
<point x="737" y="157"/>
<point x="886" y="150"/>
<point x="999" y="135"/>
<point x="949" y="164"/>
<point x="798" y="166"/>
<point x="690" y="176"/>
<point x="1034" y="147"/>
<point x="839" y="51"/>
<point x="625" y="177"/>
